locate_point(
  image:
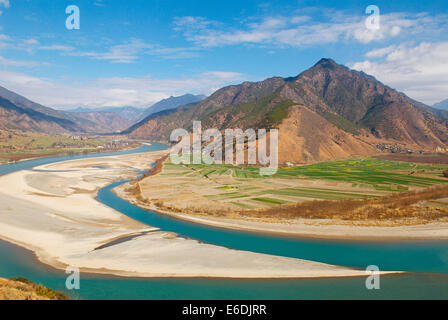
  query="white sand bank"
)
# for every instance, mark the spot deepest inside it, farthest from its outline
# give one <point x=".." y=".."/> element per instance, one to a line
<point x="55" y="214"/>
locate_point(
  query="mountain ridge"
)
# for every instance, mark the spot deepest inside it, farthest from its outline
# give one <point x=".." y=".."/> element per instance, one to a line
<point x="20" y="113"/>
<point x="442" y="105"/>
<point x="171" y="103"/>
<point x="358" y="111"/>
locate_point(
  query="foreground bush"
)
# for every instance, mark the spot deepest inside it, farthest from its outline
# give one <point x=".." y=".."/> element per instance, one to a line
<point x="23" y="289"/>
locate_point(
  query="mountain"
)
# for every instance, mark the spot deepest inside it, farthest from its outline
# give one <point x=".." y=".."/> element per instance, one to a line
<point x="326" y="112"/>
<point x="109" y="119"/>
<point x="106" y="122"/>
<point x="116" y="119"/>
<point x="17" y="112"/>
<point x="158" y="126"/>
<point x="129" y="113"/>
<point x="172" y="103"/>
<point x="442" y="105"/>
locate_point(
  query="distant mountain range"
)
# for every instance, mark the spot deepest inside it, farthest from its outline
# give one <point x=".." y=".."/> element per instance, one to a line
<point x="326" y="112"/>
<point x="171" y="103"/>
<point x="442" y="105"/>
<point x="441" y="109"/>
<point x="130" y="113"/>
<point x="112" y="119"/>
<point x="120" y="118"/>
<point x="19" y="113"/>
<point x="137" y="114"/>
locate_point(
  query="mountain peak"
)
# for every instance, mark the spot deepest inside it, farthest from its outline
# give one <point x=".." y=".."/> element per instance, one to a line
<point x="326" y="62"/>
<point x="323" y="65"/>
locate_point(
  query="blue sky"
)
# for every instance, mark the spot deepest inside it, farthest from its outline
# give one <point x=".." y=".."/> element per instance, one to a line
<point x="137" y="52"/>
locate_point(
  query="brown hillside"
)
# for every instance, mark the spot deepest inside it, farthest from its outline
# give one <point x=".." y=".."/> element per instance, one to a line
<point x="305" y="136"/>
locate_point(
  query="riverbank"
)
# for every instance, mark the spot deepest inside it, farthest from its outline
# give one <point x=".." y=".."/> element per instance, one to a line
<point x="18" y="145"/>
<point x="147" y="193"/>
<point x="52" y="211"/>
<point x="17" y="157"/>
<point x="309" y="228"/>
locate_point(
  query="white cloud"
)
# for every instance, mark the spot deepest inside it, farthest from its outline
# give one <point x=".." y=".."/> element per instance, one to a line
<point x="5" y="3"/>
<point x="114" y="92"/>
<point x="395" y="31"/>
<point x="379" y="53"/>
<point x="194" y="23"/>
<point x="18" y="63"/>
<point x="123" y="53"/>
<point x="297" y="31"/>
<point x="130" y="51"/>
<point x="99" y="3"/>
<point x="57" y="47"/>
<point x="419" y="70"/>
<point x="173" y="53"/>
<point x="31" y="42"/>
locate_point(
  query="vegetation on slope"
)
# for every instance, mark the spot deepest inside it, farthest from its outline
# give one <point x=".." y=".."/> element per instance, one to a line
<point x="266" y="112"/>
<point x="279" y="112"/>
<point x="342" y="123"/>
<point x="24" y="289"/>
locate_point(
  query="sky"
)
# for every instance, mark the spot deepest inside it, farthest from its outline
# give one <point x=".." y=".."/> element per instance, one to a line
<point x="136" y="52"/>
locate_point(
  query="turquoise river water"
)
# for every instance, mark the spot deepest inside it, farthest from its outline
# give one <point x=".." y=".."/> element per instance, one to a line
<point x="426" y="261"/>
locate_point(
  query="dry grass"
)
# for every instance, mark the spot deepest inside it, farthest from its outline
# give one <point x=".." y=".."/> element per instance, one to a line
<point x="407" y="208"/>
<point x="393" y="207"/>
<point x="23" y="289"/>
<point x="135" y="189"/>
<point x="158" y="166"/>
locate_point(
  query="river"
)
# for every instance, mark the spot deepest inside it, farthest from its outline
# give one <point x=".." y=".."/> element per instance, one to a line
<point x="427" y="261"/>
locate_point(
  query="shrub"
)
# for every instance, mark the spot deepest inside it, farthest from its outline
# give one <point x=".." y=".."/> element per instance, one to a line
<point x="22" y="280"/>
<point x="42" y="291"/>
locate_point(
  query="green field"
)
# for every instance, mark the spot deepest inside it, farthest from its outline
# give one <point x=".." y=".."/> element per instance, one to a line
<point x="30" y="141"/>
<point x="379" y="174"/>
<point x="361" y="178"/>
<point x="19" y="143"/>
<point x="376" y="173"/>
